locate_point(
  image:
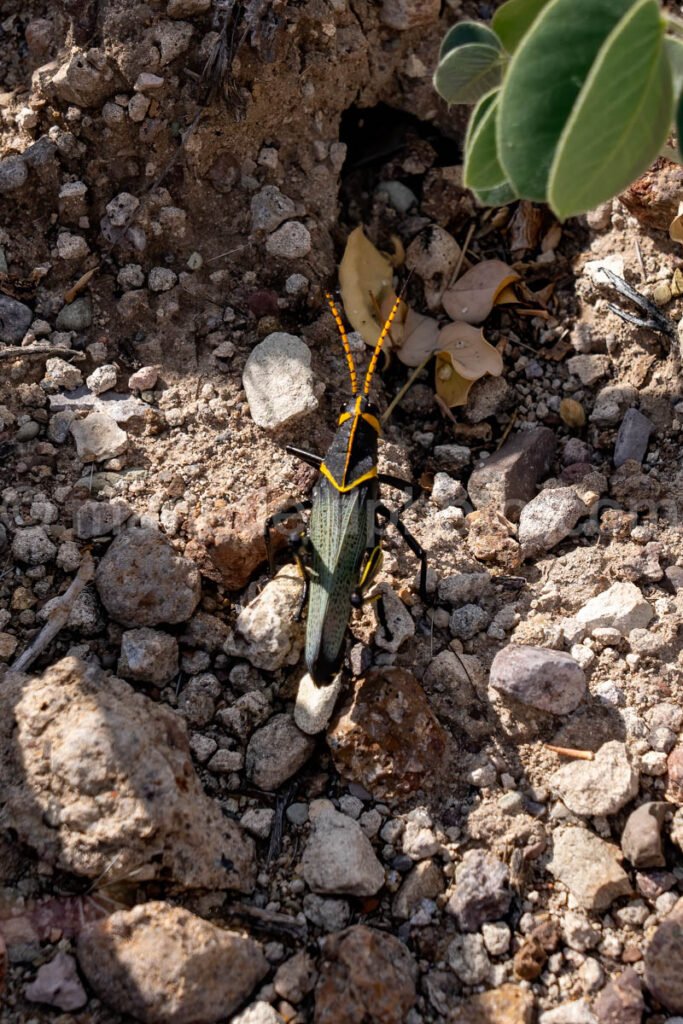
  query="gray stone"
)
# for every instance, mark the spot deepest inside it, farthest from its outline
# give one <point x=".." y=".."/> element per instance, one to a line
<point x="98" y="437"/>
<point x="611" y="403"/>
<point x="98" y="778"/>
<point x="400" y="623"/>
<point x="663" y="959"/>
<point x="292" y="241"/>
<point x="57" y="983"/>
<point x="76" y="316"/>
<point x="197" y="699"/>
<point x="161" y="279"/>
<point x="621" y="606"/>
<point x="32" y="545"/>
<point x="85" y="79"/>
<point x="266" y="632"/>
<point x="277" y="751"/>
<point x="598" y="787"/>
<point x="540" y="677"/>
<point x="482" y="890"/>
<point x="339" y="857"/>
<point x="98" y="518"/>
<point x="269" y="208"/>
<point x="641" y="840"/>
<point x="467" y="957"/>
<point x="510" y="477"/>
<point x="13" y="173"/>
<point x="548" y="519"/>
<point x="621" y="1000"/>
<point x="148" y="656"/>
<point x="163" y="965"/>
<point x="61" y="374"/>
<point x="589" y="368"/>
<point x="589" y="867"/>
<point x="142" y="581"/>
<point x="452" y="457"/>
<point x="15" y="320"/>
<point x="398" y="195"/>
<point x="467" y="621"/>
<point x="464" y="587"/>
<point x="577" y="1011"/>
<point x="278" y="381"/>
<point x="632" y="438"/>
<point x="314" y="704"/>
<point x="103" y="378"/>
<point x="329" y="915"/>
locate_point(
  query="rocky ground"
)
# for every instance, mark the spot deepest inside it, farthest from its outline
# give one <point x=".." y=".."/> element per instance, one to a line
<point x="481" y="821"/>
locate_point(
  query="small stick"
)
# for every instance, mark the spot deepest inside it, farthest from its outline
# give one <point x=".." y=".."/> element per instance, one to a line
<point x="461" y="259"/>
<point x="268" y="920"/>
<point x="59" y="615"/>
<point x="639" y="254"/>
<point x="34" y="352"/>
<point x="408" y="384"/>
<point x="80" y="284"/>
<point x="581" y="755"/>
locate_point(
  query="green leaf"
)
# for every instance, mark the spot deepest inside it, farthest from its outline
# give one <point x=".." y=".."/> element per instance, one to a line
<point x="483" y="173"/>
<point x="542" y="83"/>
<point x="674" y="51"/>
<point x="468" y="32"/>
<point x="512" y="21"/>
<point x="621" y="118"/>
<point x="466" y="74"/>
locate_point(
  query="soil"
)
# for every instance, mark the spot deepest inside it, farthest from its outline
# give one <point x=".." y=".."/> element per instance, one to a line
<point x="325" y="100"/>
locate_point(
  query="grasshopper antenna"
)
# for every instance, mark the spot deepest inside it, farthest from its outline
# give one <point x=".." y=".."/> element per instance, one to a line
<point x="345" y="343"/>
<point x="378" y="347"/>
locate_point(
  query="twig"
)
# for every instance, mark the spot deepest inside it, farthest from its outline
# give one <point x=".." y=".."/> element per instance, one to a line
<point x="581" y="755"/>
<point x="268" y="920"/>
<point x="59" y="615"/>
<point x="408" y="384"/>
<point x="656" y="321"/>
<point x="461" y="259"/>
<point x="80" y="284"/>
<point x="34" y="352"/>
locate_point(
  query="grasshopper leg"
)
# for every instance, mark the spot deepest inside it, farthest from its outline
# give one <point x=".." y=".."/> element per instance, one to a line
<point x="414" y="546"/>
<point x="274" y="520"/>
<point x="300" y="453"/>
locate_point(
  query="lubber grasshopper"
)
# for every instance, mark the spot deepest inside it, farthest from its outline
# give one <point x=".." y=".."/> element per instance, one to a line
<point x="344" y="530"/>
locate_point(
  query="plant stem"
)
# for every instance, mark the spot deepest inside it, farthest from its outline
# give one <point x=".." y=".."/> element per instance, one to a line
<point x="675" y="24"/>
<point x="408" y="384"/>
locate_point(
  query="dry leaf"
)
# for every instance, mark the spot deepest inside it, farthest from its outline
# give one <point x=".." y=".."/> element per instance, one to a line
<point x="507" y="296"/>
<point x="469" y="351"/>
<point x="677" y="283"/>
<point x="474" y="295"/>
<point x="551" y="238"/>
<point x="451" y="387"/>
<point x="525" y="227"/>
<point x="365" y="282"/>
<point x="676" y="225"/>
<point x="419" y="338"/>
<point x="434" y="256"/>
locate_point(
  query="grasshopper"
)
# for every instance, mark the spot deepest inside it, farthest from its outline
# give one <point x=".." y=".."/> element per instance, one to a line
<point x="344" y="531"/>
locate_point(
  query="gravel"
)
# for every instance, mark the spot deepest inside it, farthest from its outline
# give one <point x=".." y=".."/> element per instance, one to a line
<point x="539" y="677"/>
<point x="338" y="858"/>
<point x="589" y="867"/>
<point x="278" y="381"/>
<point x="598" y="787"/>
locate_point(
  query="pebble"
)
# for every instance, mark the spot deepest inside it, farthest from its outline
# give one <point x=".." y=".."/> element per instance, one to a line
<point x="641" y="839"/>
<point x="103" y="378"/>
<point x="598" y="787"/>
<point x="92" y="749"/>
<point x="589" y="867"/>
<point x="76" y="315"/>
<point x="60" y="374"/>
<point x="452" y="457"/>
<point x="197" y="699"/>
<point x="339" y="858"/>
<point x="589" y="368"/>
<point x="71" y="247"/>
<point x="296" y="284"/>
<point x="576" y="1012"/>
<point x="468" y="959"/>
<point x="98" y="437"/>
<point x="246" y="714"/>
<point x="148" y="656"/>
<point x="398" y="195"/>
<point x="621" y="606"/>
<point x="15" y="320"/>
<point x="98" y="518"/>
<point x="507" y="1004"/>
<point x="138" y="105"/>
<point x="85" y="79"/>
<point x="548" y="519"/>
<point x="258" y="821"/>
<point x="32" y="546"/>
<point x="399" y="620"/>
<point x="611" y="403"/>
<point x="663" y="959"/>
<point x="674" y="767"/>
<point x="464" y="623"/>
<point x="161" y="279"/>
<point x="314" y="704"/>
<point x="277" y="751"/>
<point x="144" y="379"/>
<point x="365" y="975"/>
<point x="258" y="1013"/>
<point x="540" y="677"/>
<point x="278" y="381"/>
<point x="367" y="738"/>
<point x="13" y="174"/>
<point x="510" y="477"/>
<point x="148" y="82"/>
<point x="292" y="241"/>
<point x="621" y="1000"/>
<point x="200" y="972"/>
<point x="296" y="977"/>
<point x="330" y="915"/>
<point x="447" y="492"/>
<point x="579" y="933"/>
<point x="482" y="890"/>
<point x="266" y="632"/>
<point x="57" y="984"/>
<point x="27" y="431"/>
<point x="464" y="587"/>
<point x="269" y="208"/>
<point x="424" y="882"/>
<point x="632" y="438"/>
<point x="142" y="581"/>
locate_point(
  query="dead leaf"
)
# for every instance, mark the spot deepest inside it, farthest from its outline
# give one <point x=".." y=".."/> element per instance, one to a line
<point x="469" y="351"/>
<point x="451" y="387"/>
<point x="365" y="282"/>
<point x="473" y="296"/>
<point x="557" y="352"/>
<point x="676" y="225"/>
<point x="434" y="255"/>
<point x="551" y="238"/>
<point x="677" y="282"/>
<point x="419" y="338"/>
<point x="525" y="227"/>
<point x="507" y="296"/>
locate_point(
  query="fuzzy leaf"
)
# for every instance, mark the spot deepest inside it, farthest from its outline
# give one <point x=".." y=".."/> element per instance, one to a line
<point x="469" y="351"/>
<point x="482" y="166"/>
<point x="621" y="119"/>
<point x="468" y="73"/>
<point x="512" y="21"/>
<point x="365" y="282"/>
<point x="420" y="337"/>
<point x="450" y="386"/>
<point x="467" y="32"/>
<point x="543" y="82"/>
<point x="673" y="47"/>
<point x="474" y="295"/>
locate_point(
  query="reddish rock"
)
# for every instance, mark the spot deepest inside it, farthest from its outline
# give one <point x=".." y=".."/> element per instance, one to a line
<point x="531" y="957"/>
<point x="621" y="1000"/>
<point x="674" y="767"/>
<point x="653" y="198"/>
<point x="663" y="959"/>
<point x="365" y="975"/>
<point x="508" y="1004"/>
<point x="387" y="738"/>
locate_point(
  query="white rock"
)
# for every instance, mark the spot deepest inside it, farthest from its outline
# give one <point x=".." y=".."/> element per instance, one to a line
<point x="599" y="787"/>
<point x="549" y="518"/>
<point x="102" y="379"/>
<point x="314" y="704"/>
<point x="621" y="606"/>
<point x="292" y="241"/>
<point x="98" y="437"/>
<point x="278" y="381"/>
<point x="589" y="867"/>
<point x="266" y="632"/>
<point x="339" y="857"/>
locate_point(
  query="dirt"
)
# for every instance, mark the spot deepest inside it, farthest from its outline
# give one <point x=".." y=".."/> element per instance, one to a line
<point x="324" y="100"/>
